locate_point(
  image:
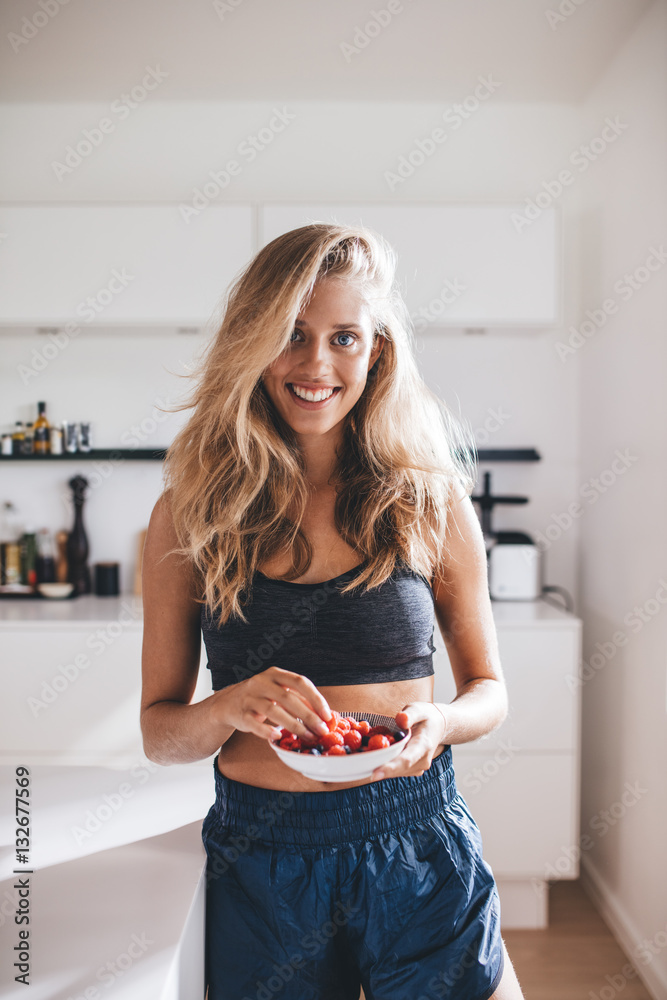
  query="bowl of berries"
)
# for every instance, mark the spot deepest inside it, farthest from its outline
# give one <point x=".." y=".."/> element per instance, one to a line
<point x="357" y="743"/>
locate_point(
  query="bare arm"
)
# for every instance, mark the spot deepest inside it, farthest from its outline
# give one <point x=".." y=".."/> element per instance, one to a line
<point x="464" y="614"/>
<point x="174" y="730"/>
<point x="463" y="611"/>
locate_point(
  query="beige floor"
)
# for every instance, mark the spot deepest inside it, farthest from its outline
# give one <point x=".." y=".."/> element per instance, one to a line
<point x="573" y="955"/>
<point x="571" y="958"/>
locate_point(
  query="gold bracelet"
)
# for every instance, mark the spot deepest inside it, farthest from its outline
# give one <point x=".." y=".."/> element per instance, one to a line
<point x="444" y="735"/>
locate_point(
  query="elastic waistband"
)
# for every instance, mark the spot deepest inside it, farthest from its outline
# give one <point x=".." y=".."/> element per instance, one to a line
<point x="337" y="816"/>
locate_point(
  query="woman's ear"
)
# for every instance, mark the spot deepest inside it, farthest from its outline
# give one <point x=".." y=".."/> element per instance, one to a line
<point x="376" y="350"/>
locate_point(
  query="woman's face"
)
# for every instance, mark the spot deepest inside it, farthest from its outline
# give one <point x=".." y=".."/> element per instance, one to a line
<point x="331" y="349"/>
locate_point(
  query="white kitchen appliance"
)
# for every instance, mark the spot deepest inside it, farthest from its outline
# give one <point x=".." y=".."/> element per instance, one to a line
<point x="514" y="567"/>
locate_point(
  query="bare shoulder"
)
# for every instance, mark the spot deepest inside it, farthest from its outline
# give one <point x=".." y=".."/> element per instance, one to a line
<point x="464" y="556"/>
<point x="161" y="562"/>
<point x="461" y="598"/>
<point x="172" y="634"/>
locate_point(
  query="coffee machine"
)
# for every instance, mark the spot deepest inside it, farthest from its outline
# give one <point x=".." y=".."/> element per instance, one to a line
<point x="513" y="557"/>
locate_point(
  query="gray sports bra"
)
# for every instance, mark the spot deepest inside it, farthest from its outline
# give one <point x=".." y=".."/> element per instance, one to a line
<point x="383" y="635"/>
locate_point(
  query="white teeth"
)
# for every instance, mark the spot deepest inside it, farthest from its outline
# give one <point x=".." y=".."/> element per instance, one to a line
<point x="313" y="397"/>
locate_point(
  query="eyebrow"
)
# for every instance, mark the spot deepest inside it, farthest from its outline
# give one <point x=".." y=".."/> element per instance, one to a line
<point x="336" y="326"/>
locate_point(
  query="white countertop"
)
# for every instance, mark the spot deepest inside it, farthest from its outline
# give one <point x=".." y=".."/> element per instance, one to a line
<point x="116" y="857"/>
<point x="90" y="610"/>
<point x="85" y="611"/>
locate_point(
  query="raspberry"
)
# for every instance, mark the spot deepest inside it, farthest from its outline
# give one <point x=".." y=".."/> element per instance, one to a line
<point x="333" y="721"/>
<point x="287" y="744"/>
<point x="378" y="742"/>
<point x="331" y="740"/>
<point x="352" y="739"/>
<point x="345" y="736"/>
<point x="381" y="731"/>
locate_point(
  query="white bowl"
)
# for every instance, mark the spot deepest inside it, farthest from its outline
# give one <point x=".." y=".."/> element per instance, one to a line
<point x="55" y="589"/>
<point x="353" y="765"/>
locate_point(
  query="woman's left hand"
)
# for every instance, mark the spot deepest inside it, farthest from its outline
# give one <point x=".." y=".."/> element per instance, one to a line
<point x="429" y="731"/>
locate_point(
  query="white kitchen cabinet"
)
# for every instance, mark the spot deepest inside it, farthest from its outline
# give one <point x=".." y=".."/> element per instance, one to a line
<point x="71" y="671"/>
<point x="95" y="265"/>
<point x="521" y="782"/>
<point x="459" y="265"/>
<point x="116" y="265"/>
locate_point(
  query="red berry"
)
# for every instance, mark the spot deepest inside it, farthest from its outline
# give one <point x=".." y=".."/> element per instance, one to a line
<point x="352" y="739"/>
<point x="378" y="742"/>
<point x="331" y="740"/>
<point x="336" y="751"/>
<point x="381" y="731"/>
<point x="333" y="721"/>
<point x="343" y="726"/>
<point x="363" y="727"/>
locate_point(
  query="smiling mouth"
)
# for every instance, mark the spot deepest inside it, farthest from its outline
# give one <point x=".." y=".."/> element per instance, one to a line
<point x="313" y="392"/>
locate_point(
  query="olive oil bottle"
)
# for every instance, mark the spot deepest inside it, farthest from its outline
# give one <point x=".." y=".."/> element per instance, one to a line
<point x="41" y="432"/>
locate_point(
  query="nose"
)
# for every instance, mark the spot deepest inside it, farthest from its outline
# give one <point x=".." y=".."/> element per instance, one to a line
<point x="315" y="356"/>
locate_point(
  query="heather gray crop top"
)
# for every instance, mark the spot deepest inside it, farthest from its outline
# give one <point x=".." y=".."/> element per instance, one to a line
<point x="310" y="628"/>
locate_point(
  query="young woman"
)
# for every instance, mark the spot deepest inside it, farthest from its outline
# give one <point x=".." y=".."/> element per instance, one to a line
<point x="316" y="518"/>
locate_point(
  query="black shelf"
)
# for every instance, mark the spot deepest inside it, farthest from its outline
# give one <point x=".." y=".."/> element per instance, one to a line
<point x="157" y="455"/>
<point x="507" y="455"/>
<point x="132" y="454"/>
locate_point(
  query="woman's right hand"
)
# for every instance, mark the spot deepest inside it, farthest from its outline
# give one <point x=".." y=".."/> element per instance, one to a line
<point x="271" y="700"/>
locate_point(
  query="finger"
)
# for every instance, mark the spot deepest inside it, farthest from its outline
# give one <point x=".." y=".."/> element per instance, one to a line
<point x="292" y="719"/>
<point x="414" y="753"/>
<point x="305" y="687"/>
<point x="393" y="770"/>
<point x="259" y="727"/>
<point x="411" y="715"/>
<point x="304" y="718"/>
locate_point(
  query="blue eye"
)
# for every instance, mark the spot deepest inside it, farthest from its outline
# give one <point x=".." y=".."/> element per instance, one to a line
<point x="342" y="334"/>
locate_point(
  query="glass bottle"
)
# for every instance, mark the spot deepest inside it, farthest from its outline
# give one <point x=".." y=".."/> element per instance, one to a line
<point x="18" y="437"/>
<point x="46" y="557"/>
<point x="42" y="431"/>
<point x="29" y="439"/>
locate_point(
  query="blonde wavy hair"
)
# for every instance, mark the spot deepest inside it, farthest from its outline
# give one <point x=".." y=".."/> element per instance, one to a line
<point x="235" y="469"/>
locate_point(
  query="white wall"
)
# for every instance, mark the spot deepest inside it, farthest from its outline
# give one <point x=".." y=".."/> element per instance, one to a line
<point x="332" y="151"/>
<point x="624" y="537"/>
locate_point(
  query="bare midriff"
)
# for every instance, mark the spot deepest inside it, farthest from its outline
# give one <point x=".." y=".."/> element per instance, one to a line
<point x="249" y="759"/>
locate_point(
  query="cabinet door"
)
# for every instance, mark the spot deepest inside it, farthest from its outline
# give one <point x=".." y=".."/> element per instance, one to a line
<point x="539" y="665"/>
<point x="138" y="264"/>
<point x="75" y="697"/>
<point x="459" y="265"/>
<point x="526" y="807"/>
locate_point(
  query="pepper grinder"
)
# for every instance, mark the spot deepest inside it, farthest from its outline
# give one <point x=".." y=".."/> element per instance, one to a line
<point x="77" y="542"/>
